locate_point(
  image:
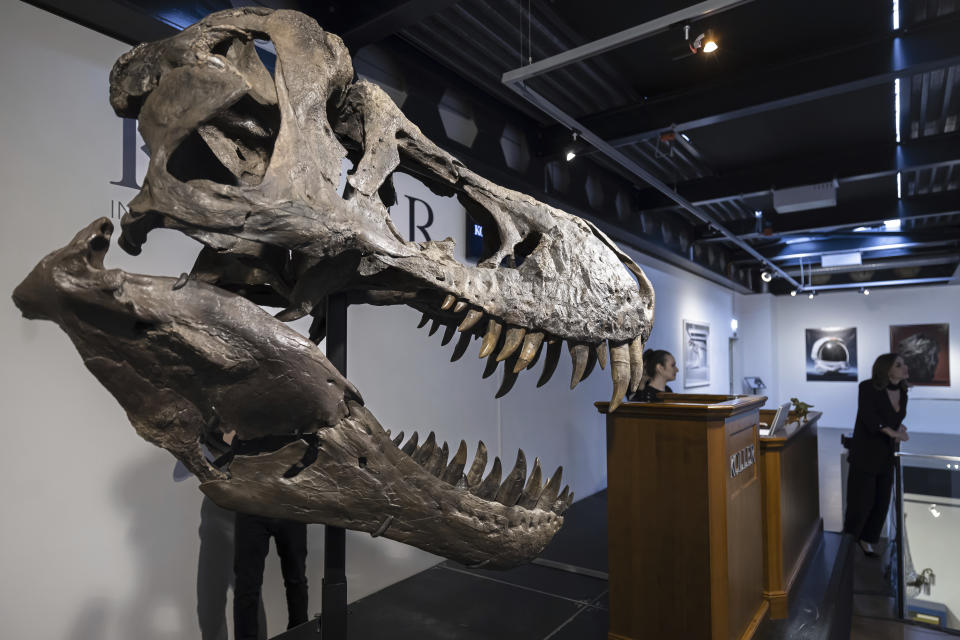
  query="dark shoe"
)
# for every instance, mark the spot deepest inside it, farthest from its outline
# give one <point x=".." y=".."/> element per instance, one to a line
<point x="867" y="549"/>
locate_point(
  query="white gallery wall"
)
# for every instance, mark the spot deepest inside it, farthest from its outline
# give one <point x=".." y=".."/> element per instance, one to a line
<point x="98" y="542"/>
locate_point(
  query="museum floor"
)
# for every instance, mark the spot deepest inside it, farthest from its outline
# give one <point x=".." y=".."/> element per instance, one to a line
<point x="538" y="602"/>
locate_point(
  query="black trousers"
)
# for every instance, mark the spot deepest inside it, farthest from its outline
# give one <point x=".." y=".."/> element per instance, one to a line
<point x="868" y="498"/>
<point x="252" y="543"/>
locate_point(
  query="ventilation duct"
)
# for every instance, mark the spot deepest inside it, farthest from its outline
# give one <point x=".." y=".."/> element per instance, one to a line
<point x="811" y="196"/>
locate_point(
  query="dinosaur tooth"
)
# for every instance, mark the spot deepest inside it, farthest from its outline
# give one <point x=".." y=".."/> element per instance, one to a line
<point x="438" y="460"/>
<point x="424" y="451"/>
<point x="591" y="363"/>
<point x="602" y="355"/>
<point x="531" y="491"/>
<point x="461" y="347"/>
<point x="579" y="356"/>
<point x="473" y="317"/>
<point x="511" y="342"/>
<point x="531" y="347"/>
<point x="488" y="488"/>
<point x="620" y="372"/>
<point x="490" y="367"/>
<point x="491" y="338"/>
<point x="636" y="363"/>
<point x="397" y="440"/>
<point x="448" y="334"/>
<point x="550" y="364"/>
<point x="509" y="491"/>
<point x="549" y="494"/>
<point x="423" y="321"/>
<point x="434" y="326"/>
<point x="558" y="507"/>
<point x="181" y="281"/>
<point x="448" y="301"/>
<point x="459" y="307"/>
<point x="411" y="445"/>
<point x="510" y="374"/>
<point x="454" y="470"/>
<point x="479" y="464"/>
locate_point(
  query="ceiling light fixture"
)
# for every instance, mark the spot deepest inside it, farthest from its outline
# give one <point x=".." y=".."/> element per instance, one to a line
<point x="934" y="511"/>
<point x="865" y="291"/>
<point x="705" y="41"/>
<point x="571" y="150"/>
<point x="812" y="295"/>
<point x="793" y="294"/>
<point x="766" y="276"/>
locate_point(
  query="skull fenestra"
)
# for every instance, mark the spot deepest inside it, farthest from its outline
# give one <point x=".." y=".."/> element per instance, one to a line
<point x="247" y="162"/>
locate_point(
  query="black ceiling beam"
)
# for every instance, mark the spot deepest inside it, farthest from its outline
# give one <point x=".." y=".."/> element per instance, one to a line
<point x="850" y="68"/>
<point x="861" y="212"/>
<point x="888" y="245"/>
<point x="118" y="20"/>
<point x="390" y="22"/>
<point x="858" y="164"/>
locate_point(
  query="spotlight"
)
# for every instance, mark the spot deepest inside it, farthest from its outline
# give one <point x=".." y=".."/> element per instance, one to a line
<point x="934" y="511"/>
<point x="793" y="294"/>
<point x="572" y="149"/>
<point x="766" y="276"/>
<point x="758" y="213"/>
<point x="705" y="41"/>
<point x="865" y="291"/>
<point x="812" y="295"/>
<point x="710" y="46"/>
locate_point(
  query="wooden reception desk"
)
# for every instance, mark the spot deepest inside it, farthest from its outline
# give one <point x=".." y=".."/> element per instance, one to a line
<point x="685" y="526"/>
<point x="791" y="505"/>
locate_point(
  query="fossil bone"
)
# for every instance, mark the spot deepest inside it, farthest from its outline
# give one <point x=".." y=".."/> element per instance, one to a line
<point x="248" y="163"/>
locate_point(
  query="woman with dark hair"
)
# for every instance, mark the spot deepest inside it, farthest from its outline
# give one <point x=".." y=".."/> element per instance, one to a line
<point x="659" y="368"/>
<point x="877" y="436"/>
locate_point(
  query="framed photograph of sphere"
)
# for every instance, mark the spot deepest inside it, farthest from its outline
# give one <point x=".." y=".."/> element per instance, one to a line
<point x="925" y="349"/>
<point x="832" y="354"/>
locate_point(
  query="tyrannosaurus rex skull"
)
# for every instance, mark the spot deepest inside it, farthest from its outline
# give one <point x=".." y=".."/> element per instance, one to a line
<point x="248" y="163"/>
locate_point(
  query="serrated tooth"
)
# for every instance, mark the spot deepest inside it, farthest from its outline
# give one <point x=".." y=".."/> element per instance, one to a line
<point x="423" y="321"/>
<point x="636" y="363"/>
<point x="448" y="334"/>
<point x="579" y="354"/>
<point x="473" y="317"/>
<point x="479" y="464"/>
<point x="550" y="364"/>
<point x="620" y="372"/>
<point x="459" y="307"/>
<point x="398" y="439"/>
<point x="434" y="326"/>
<point x="602" y="355"/>
<point x="491" y="338"/>
<point x="423" y="453"/>
<point x="488" y="488"/>
<point x="454" y="470"/>
<point x="549" y="495"/>
<point x="561" y="499"/>
<point x="510" y="343"/>
<point x="448" y="301"/>
<point x="531" y="491"/>
<point x="411" y="445"/>
<point x="510" y="375"/>
<point x="591" y="363"/>
<point x="531" y="347"/>
<point x="461" y="347"/>
<point x="438" y="460"/>
<point x="512" y="486"/>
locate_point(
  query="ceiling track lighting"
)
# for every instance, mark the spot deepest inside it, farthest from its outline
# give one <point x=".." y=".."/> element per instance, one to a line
<point x="705" y="41"/>
<point x="571" y="151"/>
<point x="766" y="276"/>
<point x="812" y="295"/>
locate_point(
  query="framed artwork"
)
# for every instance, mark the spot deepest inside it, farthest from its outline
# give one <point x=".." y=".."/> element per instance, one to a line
<point x="696" y="354"/>
<point x="831" y="354"/>
<point x="925" y="349"/>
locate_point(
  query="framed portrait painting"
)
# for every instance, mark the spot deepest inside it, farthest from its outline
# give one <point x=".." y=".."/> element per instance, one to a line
<point x="696" y="354"/>
<point x="925" y="349"/>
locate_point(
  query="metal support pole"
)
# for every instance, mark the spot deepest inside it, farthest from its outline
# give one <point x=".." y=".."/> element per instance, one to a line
<point x="898" y="504"/>
<point x="334" y="596"/>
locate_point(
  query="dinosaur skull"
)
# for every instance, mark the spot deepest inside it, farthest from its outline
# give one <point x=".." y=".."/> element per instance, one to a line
<point x="248" y="163"/>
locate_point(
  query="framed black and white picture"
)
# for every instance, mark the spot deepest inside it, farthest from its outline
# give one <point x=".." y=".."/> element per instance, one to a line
<point x="696" y="354"/>
<point x="832" y="354"/>
<point x="925" y="349"/>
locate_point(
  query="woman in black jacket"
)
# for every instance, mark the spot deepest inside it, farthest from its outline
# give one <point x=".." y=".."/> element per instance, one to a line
<point x="878" y="433"/>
